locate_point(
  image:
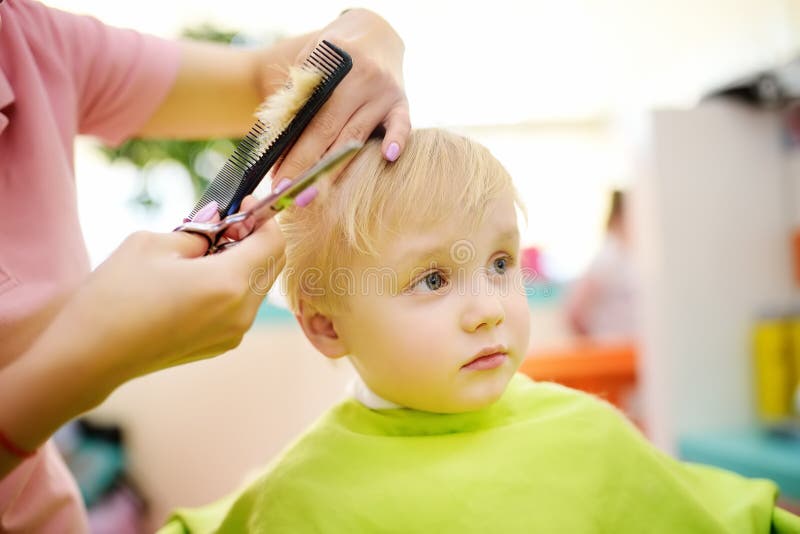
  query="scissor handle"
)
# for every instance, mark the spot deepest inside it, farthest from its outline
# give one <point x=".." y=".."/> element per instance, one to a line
<point x="211" y="231"/>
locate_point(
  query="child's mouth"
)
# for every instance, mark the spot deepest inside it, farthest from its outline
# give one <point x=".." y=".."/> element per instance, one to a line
<point x="491" y="358"/>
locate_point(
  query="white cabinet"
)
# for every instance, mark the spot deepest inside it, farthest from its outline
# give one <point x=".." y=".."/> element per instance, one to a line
<point x="712" y="216"/>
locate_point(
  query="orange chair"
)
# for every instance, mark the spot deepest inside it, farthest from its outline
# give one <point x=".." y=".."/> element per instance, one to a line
<point x="606" y="370"/>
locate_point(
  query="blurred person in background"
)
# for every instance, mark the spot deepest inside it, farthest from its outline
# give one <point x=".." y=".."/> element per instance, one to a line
<point x="601" y="304"/>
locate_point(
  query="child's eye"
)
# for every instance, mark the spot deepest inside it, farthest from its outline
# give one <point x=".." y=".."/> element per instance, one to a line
<point x="501" y="264"/>
<point x="433" y="281"/>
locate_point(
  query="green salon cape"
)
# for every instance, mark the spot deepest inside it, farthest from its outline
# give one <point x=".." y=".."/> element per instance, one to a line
<point x="542" y="459"/>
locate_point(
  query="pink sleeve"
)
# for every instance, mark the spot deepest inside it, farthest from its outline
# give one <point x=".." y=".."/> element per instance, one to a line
<point x="41" y="496"/>
<point x="120" y="76"/>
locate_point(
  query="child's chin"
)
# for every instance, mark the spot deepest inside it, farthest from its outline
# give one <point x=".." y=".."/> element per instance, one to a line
<point x="478" y="396"/>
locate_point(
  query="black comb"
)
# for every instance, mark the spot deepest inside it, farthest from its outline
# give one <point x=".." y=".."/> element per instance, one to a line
<point x="251" y="161"/>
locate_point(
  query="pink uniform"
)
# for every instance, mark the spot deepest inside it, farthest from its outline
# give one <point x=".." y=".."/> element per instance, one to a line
<point x="60" y="75"/>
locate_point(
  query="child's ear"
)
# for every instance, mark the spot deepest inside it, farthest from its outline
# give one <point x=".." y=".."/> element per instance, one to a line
<point x="320" y="331"/>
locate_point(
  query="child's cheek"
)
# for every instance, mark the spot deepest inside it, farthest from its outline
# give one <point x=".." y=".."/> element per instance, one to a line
<point x="519" y="320"/>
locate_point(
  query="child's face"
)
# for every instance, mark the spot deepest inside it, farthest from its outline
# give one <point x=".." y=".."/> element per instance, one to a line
<point x="457" y="297"/>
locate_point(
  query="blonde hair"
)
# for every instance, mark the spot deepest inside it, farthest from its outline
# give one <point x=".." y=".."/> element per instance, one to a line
<point x="439" y="175"/>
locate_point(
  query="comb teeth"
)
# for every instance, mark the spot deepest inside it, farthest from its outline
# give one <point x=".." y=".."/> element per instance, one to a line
<point x="222" y="188"/>
<point x="251" y="160"/>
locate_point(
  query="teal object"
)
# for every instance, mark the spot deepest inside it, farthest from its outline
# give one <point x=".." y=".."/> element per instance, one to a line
<point x="751" y="452"/>
<point x="544" y="293"/>
<point x="96" y="465"/>
<point x="269" y="313"/>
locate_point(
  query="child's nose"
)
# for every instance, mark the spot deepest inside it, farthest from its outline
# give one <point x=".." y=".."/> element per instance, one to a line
<point x="483" y="310"/>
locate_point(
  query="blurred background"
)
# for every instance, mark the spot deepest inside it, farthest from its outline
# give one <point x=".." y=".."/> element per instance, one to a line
<point x="674" y="298"/>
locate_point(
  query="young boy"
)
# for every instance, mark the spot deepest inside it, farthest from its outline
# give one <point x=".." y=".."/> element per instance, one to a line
<point x="410" y="269"/>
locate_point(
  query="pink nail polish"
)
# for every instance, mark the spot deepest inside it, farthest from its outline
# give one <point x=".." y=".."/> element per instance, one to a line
<point x="393" y="151"/>
<point x="283" y="184"/>
<point x="305" y="198"/>
<point x="206" y="213"/>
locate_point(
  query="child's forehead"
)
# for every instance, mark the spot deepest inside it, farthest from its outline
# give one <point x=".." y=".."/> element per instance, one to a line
<point x="448" y="238"/>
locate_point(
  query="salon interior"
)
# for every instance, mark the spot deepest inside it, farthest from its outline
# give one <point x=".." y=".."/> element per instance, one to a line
<point x="656" y="146"/>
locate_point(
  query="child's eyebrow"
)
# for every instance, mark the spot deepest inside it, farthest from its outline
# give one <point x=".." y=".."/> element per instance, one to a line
<point x="416" y="257"/>
<point x="421" y="256"/>
<point x="511" y="234"/>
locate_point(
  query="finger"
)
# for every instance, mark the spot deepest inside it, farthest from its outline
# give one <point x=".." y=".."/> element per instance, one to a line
<point x="398" y="128"/>
<point x="187" y="244"/>
<point x="260" y="258"/>
<point x="263" y="249"/>
<point x="361" y="124"/>
<point x="304" y="198"/>
<point x="280" y="186"/>
<point x="183" y="244"/>
<point x="241" y="230"/>
<point x="208" y="213"/>
<point x="318" y="136"/>
<point x="274" y="174"/>
<point x="364" y="120"/>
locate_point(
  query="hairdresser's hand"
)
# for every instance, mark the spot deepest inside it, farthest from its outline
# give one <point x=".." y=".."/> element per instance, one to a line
<point x="154" y="303"/>
<point x="170" y="306"/>
<point x="370" y="96"/>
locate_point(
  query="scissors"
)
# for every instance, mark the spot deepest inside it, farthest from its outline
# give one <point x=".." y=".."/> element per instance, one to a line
<point x="270" y="206"/>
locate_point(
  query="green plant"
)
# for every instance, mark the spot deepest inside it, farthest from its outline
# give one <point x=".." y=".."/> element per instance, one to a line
<point x="146" y="153"/>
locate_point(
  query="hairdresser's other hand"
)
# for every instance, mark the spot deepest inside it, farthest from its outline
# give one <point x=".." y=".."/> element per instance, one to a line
<point x="370" y="96"/>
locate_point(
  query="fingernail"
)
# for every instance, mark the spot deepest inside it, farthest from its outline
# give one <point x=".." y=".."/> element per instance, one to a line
<point x="283" y="184"/>
<point x="393" y="151"/>
<point x="305" y="198"/>
<point x="206" y="213"/>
